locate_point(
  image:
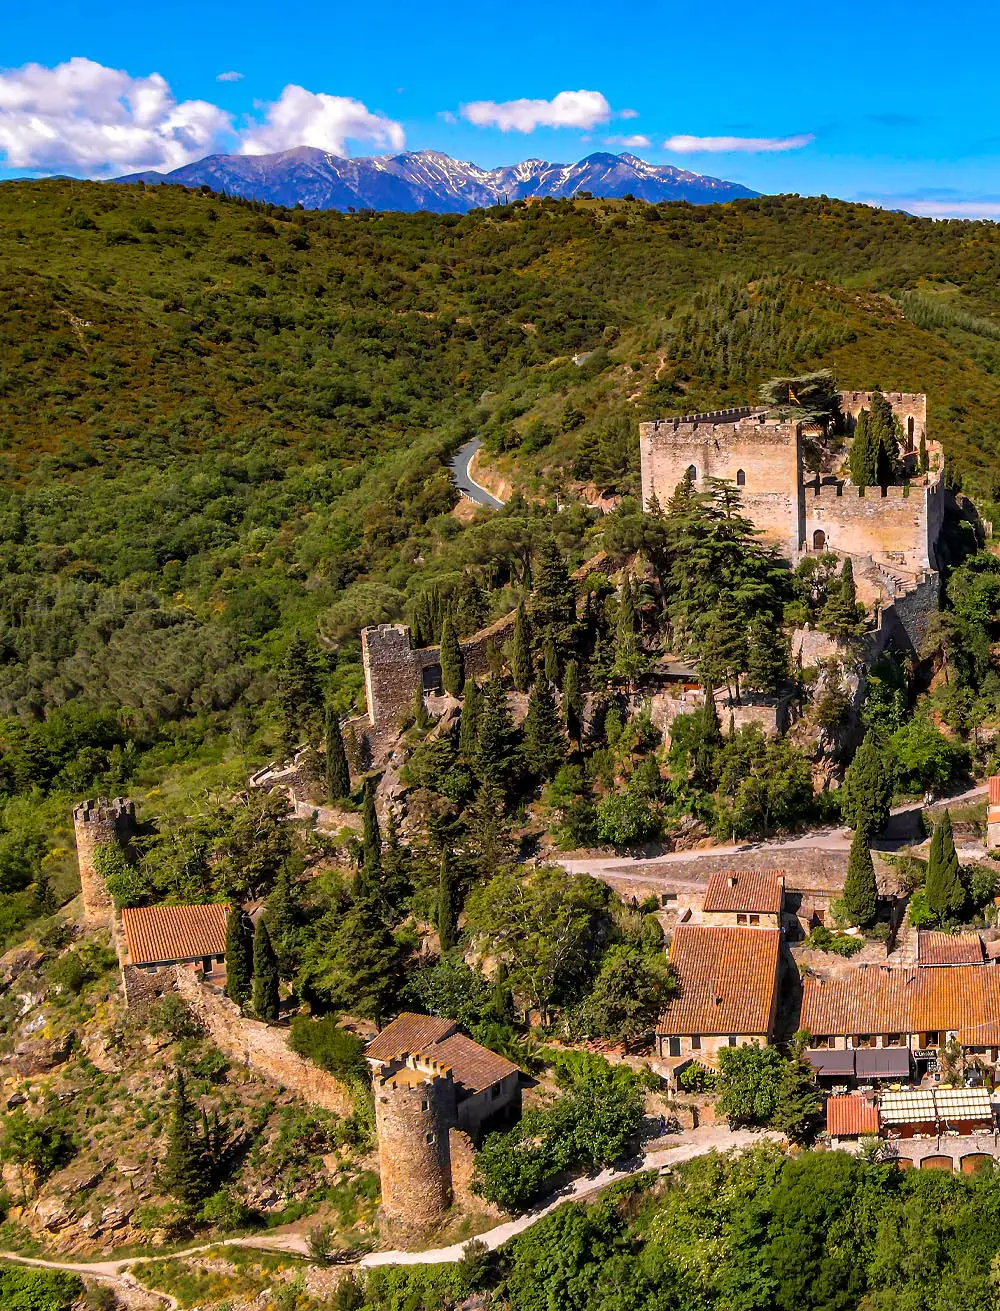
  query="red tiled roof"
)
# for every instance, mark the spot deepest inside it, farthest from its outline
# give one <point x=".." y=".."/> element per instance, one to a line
<point x="876" y="999"/>
<point x="154" y="934"/>
<point x="949" y="949"/>
<point x="407" y="1034"/>
<point x="994" y="787"/>
<point x="752" y="890"/>
<point x="847" y="1116"/>
<point x="472" y="1066"/>
<point x="726" y="980"/>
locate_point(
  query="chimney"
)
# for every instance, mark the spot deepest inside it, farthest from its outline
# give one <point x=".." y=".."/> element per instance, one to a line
<point x="732" y="880"/>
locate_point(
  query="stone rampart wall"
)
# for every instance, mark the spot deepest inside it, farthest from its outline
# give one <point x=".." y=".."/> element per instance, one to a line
<point x="261" y="1047"/>
<point x="888" y="523"/>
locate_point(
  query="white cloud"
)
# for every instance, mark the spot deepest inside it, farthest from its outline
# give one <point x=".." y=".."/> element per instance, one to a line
<point x="581" y="109"/>
<point x="628" y="113"/>
<point x="231" y="76"/>
<point x="312" y="118"/>
<point x="683" y="145"/>
<point x="83" y="117"/>
<point x="635" y="142"/>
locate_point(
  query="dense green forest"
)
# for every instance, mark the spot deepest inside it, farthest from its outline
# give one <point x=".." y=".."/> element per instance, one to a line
<point x="225" y="424"/>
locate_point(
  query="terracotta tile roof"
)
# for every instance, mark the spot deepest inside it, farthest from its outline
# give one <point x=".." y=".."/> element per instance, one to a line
<point x="473" y="1066"/>
<point x="949" y="949"/>
<point x="408" y="1033"/>
<point x="994" y="787"/>
<point x="846" y="1116"/>
<point x="752" y="890"/>
<point x="727" y="980"/>
<point x="876" y="999"/>
<point x="174" y="933"/>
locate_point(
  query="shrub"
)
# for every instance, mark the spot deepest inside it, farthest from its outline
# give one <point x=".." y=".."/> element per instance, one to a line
<point x="329" y="1046"/>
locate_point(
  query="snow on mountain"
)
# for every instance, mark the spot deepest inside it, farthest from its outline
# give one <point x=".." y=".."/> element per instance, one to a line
<point x="428" y="179"/>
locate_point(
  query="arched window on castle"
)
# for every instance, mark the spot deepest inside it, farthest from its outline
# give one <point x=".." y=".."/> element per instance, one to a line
<point x="741" y="478"/>
<point x="692" y="473"/>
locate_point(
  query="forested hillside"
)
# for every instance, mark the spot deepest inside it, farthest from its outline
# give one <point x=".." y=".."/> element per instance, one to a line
<point x="222" y="424"/>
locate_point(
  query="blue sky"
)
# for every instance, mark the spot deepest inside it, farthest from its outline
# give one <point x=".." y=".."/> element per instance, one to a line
<point x="885" y="101"/>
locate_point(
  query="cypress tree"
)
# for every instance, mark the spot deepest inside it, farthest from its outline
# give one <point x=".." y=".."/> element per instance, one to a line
<point x="550" y="660"/>
<point x="338" y="773"/>
<point x="945" y="893"/>
<point x="544" y="743"/>
<point x="839" y="616"/>
<point x="468" y="728"/>
<point x="265" y="975"/>
<point x="494" y="750"/>
<point x="502" y="1000"/>
<point x="860" y="889"/>
<point x="862" y="458"/>
<point x="445" y="906"/>
<point x="183" y="1171"/>
<point x="395" y="884"/>
<point x="883" y="440"/>
<point x="867" y="789"/>
<point x="421" y="719"/>
<point x="572" y="703"/>
<point x="239" y="956"/>
<point x="521" y="667"/>
<point x="552" y="606"/>
<point x="452" y="664"/>
<point x="371" y="838"/>
<point x="282" y="922"/>
<point x="923" y="461"/>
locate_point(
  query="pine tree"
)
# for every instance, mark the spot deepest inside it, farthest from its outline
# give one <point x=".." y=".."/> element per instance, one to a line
<point x="338" y="773"/>
<point x="359" y="971"/>
<point x="468" y="728"/>
<point x="184" y="1173"/>
<point x="860" y="889"/>
<point x="395" y="884"/>
<point x="299" y="694"/>
<point x="445" y="906"/>
<point x="945" y="893"/>
<point x="452" y="664"/>
<point x="767" y="658"/>
<point x="840" y="614"/>
<point x="239" y="956"/>
<point x="495" y="749"/>
<point x="544" y="743"/>
<point x="572" y="703"/>
<point x="265" y="975"/>
<point x="371" y="839"/>
<point x="867" y="791"/>
<point x="487" y="828"/>
<point x="521" y="667"/>
<point x="552" y="607"/>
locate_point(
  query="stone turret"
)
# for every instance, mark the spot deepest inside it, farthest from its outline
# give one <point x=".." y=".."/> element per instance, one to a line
<point x="97" y="824"/>
<point x="414" y="1111"/>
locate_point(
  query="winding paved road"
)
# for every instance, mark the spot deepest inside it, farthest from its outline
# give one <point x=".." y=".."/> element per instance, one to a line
<point x="463" y="479"/>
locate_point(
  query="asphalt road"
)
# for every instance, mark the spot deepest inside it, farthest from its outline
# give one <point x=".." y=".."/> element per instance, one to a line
<point x="463" y="480"/>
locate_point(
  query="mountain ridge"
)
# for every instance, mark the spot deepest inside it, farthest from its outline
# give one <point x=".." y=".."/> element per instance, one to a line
<point x="431" y="180"/>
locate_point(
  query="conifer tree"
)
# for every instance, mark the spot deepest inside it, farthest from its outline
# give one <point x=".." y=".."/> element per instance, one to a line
<point x="867" y="790"/>
<point x="550" y="660"/>
<point x="883" y="440"/>
<point x="338" y="773"/>
<point x="945" y="893"/>
<point x="923" y="461"/>
<point x="445" y="906"/>
<point x="495" y="748"/>
<point x="767" y="657"/>
<point x="421" y="719"/>
<point x="239" y="956"/>
<point x="452" y="664"/>
<point x="265" y="975"/>
<point x="860" y="889"/>
<point x="552" y="607"/>
<point x="184" y="1171"/>
<point x="359" y="970"/>
<point x="628" y="657"/>
<point x="521" y="667"/>
<point x="725" y="644"/>
<point x="488" y="831"/>
<point x="299" y="695"/>
<point x="840" y="615"/>
<point x="468" y="728"/>
<point x="371" y="838"/>
<point x="502" y="1000"/>
<point x="283" y="922"/>
<point x="862" y="458"/>
<point x="572" y="703"/>
<point x="544" y="743"/>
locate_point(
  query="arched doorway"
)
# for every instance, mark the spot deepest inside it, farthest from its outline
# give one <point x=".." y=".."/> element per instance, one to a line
<point x="692" y="473"/>
<point x="741" y="478"/>
<point x="819" y="540"/>
<point x="975" y="1161"/>
<point x="937" y="1163"/>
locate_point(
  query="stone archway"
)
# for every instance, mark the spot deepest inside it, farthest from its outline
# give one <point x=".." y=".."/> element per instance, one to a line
<point x="975" y="1161"/>
<point x="904" y="1163"/>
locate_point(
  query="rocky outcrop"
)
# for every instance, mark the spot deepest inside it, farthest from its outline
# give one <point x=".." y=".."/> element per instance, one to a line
<point x="39" y="1055"/>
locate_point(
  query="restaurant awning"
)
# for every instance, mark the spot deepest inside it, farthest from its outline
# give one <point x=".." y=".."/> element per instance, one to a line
<point x="882" y="1062"/>
<point x="831" y="1062"/>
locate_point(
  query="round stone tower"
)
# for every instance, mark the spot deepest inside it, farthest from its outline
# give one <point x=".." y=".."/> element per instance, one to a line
<point x="414" y="1110"/>
<point x="98" y="823"/>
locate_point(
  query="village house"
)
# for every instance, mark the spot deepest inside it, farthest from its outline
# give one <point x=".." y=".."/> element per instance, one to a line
<point x="158" y="937"/>
<point x="993" y="813"/>
<point x="486" y="1085"/>
<point x="913" y="1012"/>
<point x="850" y="1118"/>
<point x="936" y="1112"/>
<point x="935" y="949"/>
<point x="746" y="897"/>
<point x="727" y="991"/>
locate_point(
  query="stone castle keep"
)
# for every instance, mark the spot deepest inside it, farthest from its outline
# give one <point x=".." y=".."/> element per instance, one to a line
<point x="98" y="824"/>
<point x="799" y="509"/>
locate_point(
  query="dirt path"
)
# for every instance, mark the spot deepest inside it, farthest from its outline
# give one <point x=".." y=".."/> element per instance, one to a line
<point x="691" y="1143"/>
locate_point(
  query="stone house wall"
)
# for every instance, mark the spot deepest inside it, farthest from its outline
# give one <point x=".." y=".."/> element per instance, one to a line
<point x="710" y="1044"/>
<point x="474" y="1111"/>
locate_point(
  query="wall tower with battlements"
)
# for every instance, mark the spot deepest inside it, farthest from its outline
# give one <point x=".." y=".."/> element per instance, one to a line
<point x="414" y="1114"/>
<point x="97" y="824"/>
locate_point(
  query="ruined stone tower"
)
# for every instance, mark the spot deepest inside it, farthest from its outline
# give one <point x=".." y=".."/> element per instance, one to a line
<point x="98" y="823"/>
<point x="414" y="1111"/>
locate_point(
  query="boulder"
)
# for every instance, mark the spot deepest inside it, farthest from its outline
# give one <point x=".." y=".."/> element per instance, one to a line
<point x="18" y="961"/>
<point x="37" y="1055"/>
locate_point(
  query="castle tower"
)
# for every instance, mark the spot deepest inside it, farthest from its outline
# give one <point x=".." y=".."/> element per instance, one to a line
<point x="414" y="1111"/>
<point x="98" y="823"/>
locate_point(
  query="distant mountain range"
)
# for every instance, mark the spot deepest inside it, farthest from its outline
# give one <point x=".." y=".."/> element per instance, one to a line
<point x="427" y="179"/>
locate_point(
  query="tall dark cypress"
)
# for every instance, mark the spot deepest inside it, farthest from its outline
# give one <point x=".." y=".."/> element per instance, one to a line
<point x="468" y="729"/>
<point x="521" y="668"/>
<point x="452" y="664"/>
<point x="572" y="703"/>
<point x="860" y="889"/>
<point x="445" y="906"/>
<point x="239" y="956"/>
<point x="265" y="975"/>
<point x="184" y="1171"/>
<point x="371" y="838"/>
<point x="338" y="772"/>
